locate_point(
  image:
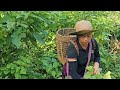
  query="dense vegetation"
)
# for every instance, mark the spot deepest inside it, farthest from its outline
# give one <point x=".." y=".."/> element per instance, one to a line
<point x="28" y="43"/>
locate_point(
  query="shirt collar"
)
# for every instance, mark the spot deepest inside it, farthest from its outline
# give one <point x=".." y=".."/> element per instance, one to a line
<point x="80" y="47"/>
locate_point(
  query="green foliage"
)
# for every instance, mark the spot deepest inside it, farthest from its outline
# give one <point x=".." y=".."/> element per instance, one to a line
<point x="89" y="74"/>
<point x="28" y="43"/>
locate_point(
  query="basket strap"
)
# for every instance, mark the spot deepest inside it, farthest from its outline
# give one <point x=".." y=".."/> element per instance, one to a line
<point x="89" y="55"/>
<point x="67" y="68"/>
<point x="67" y="64"/>
<point x="76" y="46"/>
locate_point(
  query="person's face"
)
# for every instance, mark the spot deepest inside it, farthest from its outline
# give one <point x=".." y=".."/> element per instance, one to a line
<point x="85" y="39"/>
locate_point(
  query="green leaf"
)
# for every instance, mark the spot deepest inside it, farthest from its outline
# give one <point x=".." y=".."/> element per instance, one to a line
<point x="16" y="33"/>
<point x="59" y="74"/>
<point x="23" y="70"/>
<point x="0" y="72"/>
<point x="23" y="64"/>
<point x="13" y="66"/>
<point x="49" y="68"/>
<point x="53" y="60"/>
<point x="12" y="71"/>
<point x="38" y="37"/>
<point x="55" y="64"/>
<point x="24" y="25"/>
<point x="87" y="75"/>
<point x="37" y="17"/>
<point x="6" y="77"/>
<point x="28" y="61"/>
<point x="3" y="61"/>
<point x="47" y="58"/>
<point x="22" y="35"/>
<point x="53" y="73"/>
<point x="59" y="78"/>
<point x="44" y="33"/>
<point x="16" y="41"/>
<point x="103" y="60"/>
<point x="17" y="75"/>
<point x="32" y="39"/>
<point x="6" y="72"/>
<point x="19" y="62"/>
<point x="1" y="78"/>
<point x="10" y="25"/>
<point x="17" y="69"/>
<point x="90" y="68"/>
<point x="8" y="66"/>
<point x="23" y="77"/>
<point x="93" y="77"/>
<point x="44" y="62"/>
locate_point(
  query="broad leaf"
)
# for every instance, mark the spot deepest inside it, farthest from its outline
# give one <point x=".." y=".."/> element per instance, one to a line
<point x="38" y="37"/>
<point x="16" y="41"/>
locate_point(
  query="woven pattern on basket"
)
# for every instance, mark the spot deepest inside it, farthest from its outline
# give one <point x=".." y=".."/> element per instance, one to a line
<point x="63" y="40"/>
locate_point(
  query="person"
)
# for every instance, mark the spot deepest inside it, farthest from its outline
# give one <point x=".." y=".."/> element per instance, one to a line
<point x="77" y="63"/>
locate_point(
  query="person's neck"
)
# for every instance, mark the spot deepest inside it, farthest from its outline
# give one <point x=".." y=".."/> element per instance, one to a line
<point x="84" y="46"/>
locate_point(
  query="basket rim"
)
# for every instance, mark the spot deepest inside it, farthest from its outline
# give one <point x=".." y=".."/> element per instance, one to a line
<point x="64" y="29"/>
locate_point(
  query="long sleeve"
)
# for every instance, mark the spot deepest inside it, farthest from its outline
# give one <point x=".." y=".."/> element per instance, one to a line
<point x="73" y="70"/>
<point x="72" y="54"/>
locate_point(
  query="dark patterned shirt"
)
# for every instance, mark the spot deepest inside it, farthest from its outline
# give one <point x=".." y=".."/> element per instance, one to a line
<point x="77" y="68"/>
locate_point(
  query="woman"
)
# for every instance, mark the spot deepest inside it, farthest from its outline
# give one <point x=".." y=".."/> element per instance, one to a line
<point x="77" y="63"/>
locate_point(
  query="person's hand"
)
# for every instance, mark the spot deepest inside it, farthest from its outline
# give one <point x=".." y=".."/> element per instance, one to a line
<point x="96" y="68"/>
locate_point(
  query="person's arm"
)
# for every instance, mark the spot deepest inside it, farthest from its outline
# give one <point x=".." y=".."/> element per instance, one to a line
<point x="73" y="70"/>
<point x="96" y="59"/>
<point x="72" y="61"/>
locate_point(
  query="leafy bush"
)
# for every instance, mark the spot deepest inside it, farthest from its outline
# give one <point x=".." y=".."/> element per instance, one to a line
<point x="89" y="74"/>
<point x="29" y="36"/>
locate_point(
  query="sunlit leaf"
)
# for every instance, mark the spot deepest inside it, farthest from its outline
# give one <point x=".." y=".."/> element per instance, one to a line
<point x="17" y="75"/>
<point x="23" y="70"/>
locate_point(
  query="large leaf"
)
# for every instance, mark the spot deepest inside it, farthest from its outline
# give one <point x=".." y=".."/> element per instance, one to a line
<point x="10" y="25"/>
<point x="41" y="30"/>
<point x="38" y="37"/>
<point x="16" y="41"/>
<point x="45" y="33"/>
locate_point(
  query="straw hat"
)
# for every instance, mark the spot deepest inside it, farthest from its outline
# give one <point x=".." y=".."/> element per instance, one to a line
<point x="83" y="27"/>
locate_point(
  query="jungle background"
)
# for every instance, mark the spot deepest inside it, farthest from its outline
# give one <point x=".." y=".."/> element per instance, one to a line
<point x="28" y="42"/>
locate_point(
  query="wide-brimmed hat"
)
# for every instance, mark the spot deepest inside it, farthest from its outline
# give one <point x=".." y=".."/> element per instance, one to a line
<point x="83" y="27"/>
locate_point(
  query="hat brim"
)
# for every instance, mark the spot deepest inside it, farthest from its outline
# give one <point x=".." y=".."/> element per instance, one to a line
<point x="82" y="32"/>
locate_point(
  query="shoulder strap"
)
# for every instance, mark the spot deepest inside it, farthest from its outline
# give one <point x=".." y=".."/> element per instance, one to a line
<point x="76" y="46"/>
<point x="67" y="64"/>
<point x="89" y="55"/>
<point x="94" y="45"/>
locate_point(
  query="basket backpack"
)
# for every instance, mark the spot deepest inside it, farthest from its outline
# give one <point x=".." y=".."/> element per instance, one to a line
<point x="63" y="40"/>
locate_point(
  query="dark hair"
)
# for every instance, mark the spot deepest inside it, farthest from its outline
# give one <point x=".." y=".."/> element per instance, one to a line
<point x="80" y="35"/>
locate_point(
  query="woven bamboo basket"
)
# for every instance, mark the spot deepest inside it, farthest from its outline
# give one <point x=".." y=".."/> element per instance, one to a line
<point x="63" y="41"/>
